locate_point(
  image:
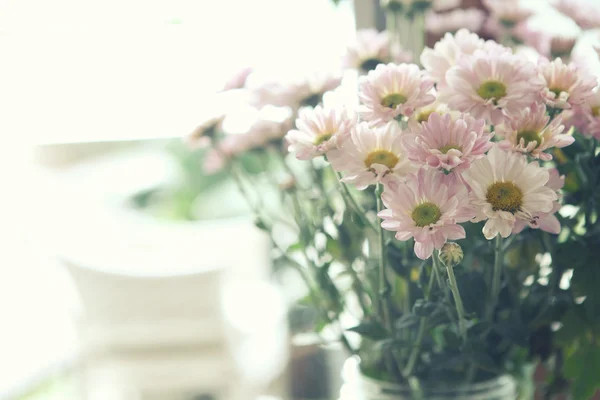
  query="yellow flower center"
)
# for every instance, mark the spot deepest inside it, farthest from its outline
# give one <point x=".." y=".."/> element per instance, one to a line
<point x="322" y="138"/>
<point x="425" y="214"/>
<point x="596" y="111"/>
<point x="393" y="100"/>
<point x="505" y="196"/>
<point x="492" y="90"/>
<point x="424" y="116"/>
<point x="370" y="64"/>
<point x="383" y="157"/>
<point x="529" y="137"/>
<point x="556" y="91"/>
<point x="448" y="147"/>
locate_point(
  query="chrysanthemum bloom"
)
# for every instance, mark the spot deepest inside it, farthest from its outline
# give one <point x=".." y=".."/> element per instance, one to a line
<point x="393" y="90"/>
<point x="372" y="48"/>
<point x="204" y="133"/>
<point x="447" y="143"/>
<point x="492" y="86"/>
<point x="440" y="23"/>
<point x="586" y="118"/>
<point x="422" y="114"/>
<point x="269" y="127"/>
<point x="504" y="188"/>
<point x="371" y="155"/>
<point x="318" y="132"/>
<point x="447" y="51"/>
<point x="443" y="5"/>
<point x="562" y="46"/>
<point x="307" y="91"/>
<point x="508" y="12"/>
<point x="427" y="207"/>
<point x="532" y="133"/>
<point x="584" y="13"/>
<point x="545" y="221"/>
<point x="566" y="86"/>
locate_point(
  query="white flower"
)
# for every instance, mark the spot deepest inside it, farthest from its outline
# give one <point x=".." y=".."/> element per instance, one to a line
<point x="504" y="188"/>
<point x="371" y="155"/>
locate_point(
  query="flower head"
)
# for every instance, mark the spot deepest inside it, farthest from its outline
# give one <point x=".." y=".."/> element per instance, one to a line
<point x="492" y="86"/>
<point x="440" y="23"/>
<point x="504" y="188"/>
<point x="586" y="118"/>
<point x="371" y="155"/>
<point x="447" y="143"/>
<point x="372" y="48"/>
<point x="319" y="131"/>
<point x="447" y="51"/>
<point x="427" y="207"/>
<point x="508" y="12"/>
<point x="392" y="90"/>
<point x="545" y="221"/>
<point x="566" y="86"/>
<point x="584" y="13"/>
<point x="225" y="150"/>
<point x="532" y="133"/>
<point x="238" y="80"/>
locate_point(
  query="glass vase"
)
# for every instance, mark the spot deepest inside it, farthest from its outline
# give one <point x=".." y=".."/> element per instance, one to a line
<point x="359" y="387"/>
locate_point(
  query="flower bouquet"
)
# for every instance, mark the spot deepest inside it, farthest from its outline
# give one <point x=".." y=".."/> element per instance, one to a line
<point x="444" y="215"/>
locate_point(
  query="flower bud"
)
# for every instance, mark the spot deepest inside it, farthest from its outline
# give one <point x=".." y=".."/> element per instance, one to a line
<point x="451" y="254"/>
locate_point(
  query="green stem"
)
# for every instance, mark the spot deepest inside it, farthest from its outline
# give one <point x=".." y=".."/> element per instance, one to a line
<point x="496" y="276"/>
<point x="358" y="210"/>
<point x="384" y="285"/>
<point x="460" y="310"/>
<point x="414" y="354"/>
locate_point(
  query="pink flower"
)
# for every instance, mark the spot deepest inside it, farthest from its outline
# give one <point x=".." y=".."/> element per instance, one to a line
<point x="584" y="13"/>
<point x="319" y="131"/>
<point x="504" y="188"/>
<point x="545" y="221"/>
<point x="586" y="118"/>
<point x="443" y="5"/>
<point x="224" y="151"/>
<point x="566" y="86"/>
<point x="440" y="23"/>
<point x="447" y="143"/>
<point x="371" y="155"/>
<point x="492" y="86"/>
<point x="447" y="51"/>
<point x="372" y="48"/>
<point x="393" y="90"/>
<point x="532" y="134"/>
<point x="507" y="12"/>
<point x="427" y="207"/>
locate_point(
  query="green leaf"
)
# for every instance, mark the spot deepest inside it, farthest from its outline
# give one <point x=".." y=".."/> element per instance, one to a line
<point x="582" y="367"/>
<point x="406" y="321"/>
<point x="424" y="308"/>
<point x="371" y="329"/>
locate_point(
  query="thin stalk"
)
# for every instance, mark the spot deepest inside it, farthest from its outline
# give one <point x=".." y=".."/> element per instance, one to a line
<point x="358" y="210"/>
<point x="460" y="310"/>
<point x="418" y="30"/>
<point x="384" y="285"/>
<point x="414" y="354"/>
<point x="496" y="275"/>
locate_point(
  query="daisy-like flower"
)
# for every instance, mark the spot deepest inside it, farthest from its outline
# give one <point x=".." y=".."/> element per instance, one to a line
<point x="532" y="134"/>
<point x="566" y="86"/>
<point x="447" y="51"/>
<point x="440" y="23"/>
<point x="447" y="143"/>
<point x="586" y="118"/>
<point x="204" y="133"/>
<point x="318" y="132"/>
<point x="492" y="86"/>
<point x="393" y="90"/>
<point x="444" y="5"/>
<point x="504" y="188"/>
<point x="508" y="12"/>
<point x="220" y="154"/>
<point x="371" y="155"/>
<point x="422" y="114"/>
<point x="372" y="48"/>
<point x="545" y="221"/>
<point x="584" y="13"/>
<point x="427" y="207"/>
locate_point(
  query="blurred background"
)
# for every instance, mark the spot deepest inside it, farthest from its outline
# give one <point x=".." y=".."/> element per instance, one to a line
<point x="127" y="272"/>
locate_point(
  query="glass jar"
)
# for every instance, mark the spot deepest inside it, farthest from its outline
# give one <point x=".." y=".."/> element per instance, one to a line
<point x="359" y="387"/>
